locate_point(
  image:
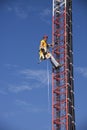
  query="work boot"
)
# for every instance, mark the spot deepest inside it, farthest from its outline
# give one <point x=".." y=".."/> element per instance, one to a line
<point x="60" y="65"/>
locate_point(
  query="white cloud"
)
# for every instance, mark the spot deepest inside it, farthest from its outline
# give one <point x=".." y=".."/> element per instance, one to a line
<point x="3" y="92"/>
<point x="45" y="15"/>
<point x="38" y="75"/>
<point x="20" y="12"/>
<point x="22" y="103"/>
<point x="82" y="71"/>
<point x="23" y="11"/>
<point x="9" y="8"/>
<point x="20" y="8"/>
<point x="17" y="89"/>
<point x="9" y="66"/>
<point x="31" y="79"/>
<point x="37" y="110"/>
<point x="29" y="107"/>
<point x="7" y="114"/>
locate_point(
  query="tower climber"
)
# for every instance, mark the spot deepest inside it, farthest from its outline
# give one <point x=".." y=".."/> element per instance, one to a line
<point x="45" y="54"/>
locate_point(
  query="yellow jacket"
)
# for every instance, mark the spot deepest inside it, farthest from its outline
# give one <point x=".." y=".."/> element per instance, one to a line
<point x="43" y="44"/>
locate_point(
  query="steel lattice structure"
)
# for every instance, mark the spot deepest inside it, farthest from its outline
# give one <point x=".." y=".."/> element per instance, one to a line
<point x="63" y="111"/>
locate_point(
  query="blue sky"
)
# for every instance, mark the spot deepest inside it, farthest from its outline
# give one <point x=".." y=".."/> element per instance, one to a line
<point x="23" y="83"/>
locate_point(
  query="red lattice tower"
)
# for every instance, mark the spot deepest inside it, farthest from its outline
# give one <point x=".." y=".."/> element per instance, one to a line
<point x="63" y="112"/>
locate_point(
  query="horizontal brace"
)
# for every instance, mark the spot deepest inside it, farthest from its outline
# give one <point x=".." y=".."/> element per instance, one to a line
<point x="58" y="23"/>
<point x="60" y="73"/>
<point x="63" y="46"/>
<point x="59" y="78"/>
<point x="59" y="52"/>
<point x="61" y="59"/>
<point x="62" y="15"/>
<point x="67" y="13"/>
<point x="59" y="34"/>
<point x="60" y="29"/>
<point x="61" y="101"/>
<point x="60" y="93"/>
<point x="59" y="12"/>
<point x="59" y="4"/>
<point x="59" y="119"/>
<point x="57" y="91"/>
<point x="60" y="87"/>
<point x="59" y="107"/>
<point x="69" y="115"/>
<point x="59" y="123"/>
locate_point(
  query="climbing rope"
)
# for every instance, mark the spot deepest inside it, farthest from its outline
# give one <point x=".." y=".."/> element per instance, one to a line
<point x="49" y="106"/>
<point x="48" y="84"/>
